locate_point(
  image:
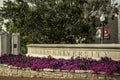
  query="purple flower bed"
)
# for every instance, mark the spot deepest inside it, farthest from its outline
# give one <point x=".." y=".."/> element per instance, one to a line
<point x="105" y="64"/>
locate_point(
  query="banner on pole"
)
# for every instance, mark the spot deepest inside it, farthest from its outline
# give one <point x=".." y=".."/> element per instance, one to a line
<point x="106" y="32"/>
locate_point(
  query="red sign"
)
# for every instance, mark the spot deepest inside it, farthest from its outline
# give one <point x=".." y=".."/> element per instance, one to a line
<point x="106" y="32"/>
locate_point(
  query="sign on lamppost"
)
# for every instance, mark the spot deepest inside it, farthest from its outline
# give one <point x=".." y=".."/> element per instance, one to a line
<point x="106" y="32"/>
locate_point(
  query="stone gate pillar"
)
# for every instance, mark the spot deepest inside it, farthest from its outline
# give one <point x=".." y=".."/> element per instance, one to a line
<point x="119" y="29"/>
<point x="4" y="43"/>
<point x="16" y="43"/>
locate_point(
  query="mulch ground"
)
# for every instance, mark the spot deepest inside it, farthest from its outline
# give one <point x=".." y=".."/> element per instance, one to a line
<point x="21" y="78"/>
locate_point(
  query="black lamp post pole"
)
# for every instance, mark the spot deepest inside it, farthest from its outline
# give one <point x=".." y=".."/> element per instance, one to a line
<point x="102" y="20"/>
<point x="102" y="32"/>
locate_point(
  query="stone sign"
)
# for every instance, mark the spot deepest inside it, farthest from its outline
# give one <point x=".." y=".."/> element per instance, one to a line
<point x="95" y="51"/>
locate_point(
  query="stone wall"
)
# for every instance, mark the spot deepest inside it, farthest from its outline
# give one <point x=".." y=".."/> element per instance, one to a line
<point x="94" y="51"/>
<point x="6" y="70"/>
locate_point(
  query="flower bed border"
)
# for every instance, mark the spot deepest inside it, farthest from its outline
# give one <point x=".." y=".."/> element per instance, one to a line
<point x="6" y="70"/>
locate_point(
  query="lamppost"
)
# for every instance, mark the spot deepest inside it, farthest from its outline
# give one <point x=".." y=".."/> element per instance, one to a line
<point x="102" y="19"/>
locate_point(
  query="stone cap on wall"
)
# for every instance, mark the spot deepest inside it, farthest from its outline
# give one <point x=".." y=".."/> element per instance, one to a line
<point x="96" y="46"/>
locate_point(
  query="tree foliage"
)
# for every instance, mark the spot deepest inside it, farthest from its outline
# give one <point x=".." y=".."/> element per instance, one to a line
<point x="53" y="21"/>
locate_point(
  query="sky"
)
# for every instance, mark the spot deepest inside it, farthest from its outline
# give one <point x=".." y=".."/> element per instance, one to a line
<point x="1" y="2"/>
<point x="118" y="1"/>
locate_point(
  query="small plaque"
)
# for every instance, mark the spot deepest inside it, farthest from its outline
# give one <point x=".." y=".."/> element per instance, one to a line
<point x="15" y="45"/>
